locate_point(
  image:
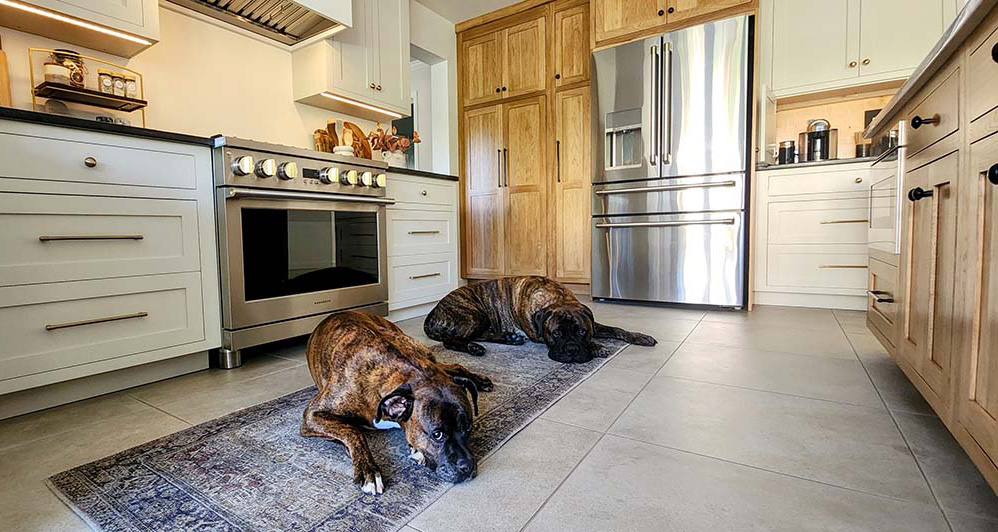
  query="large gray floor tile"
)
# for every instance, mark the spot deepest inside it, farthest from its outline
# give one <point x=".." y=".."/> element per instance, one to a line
<point x="663" y="330"/>
<point x="844" y="445"/>
<point x="512" y="483"/>
<point x="971" y="523"/>
<point x="643" y="359"/>
<point x="853" y="321"/>
<point x="955" y="480"/>
<point x="598" y="401"/>
<point x="629" y="486"/>
<point x="30" y="427"/>
<point x="817" y="377"/>
<point x="789" y="317"/>
<point x="773" y="337"/>
<point x="898" y="392"/>
<point x="32" y="507"/>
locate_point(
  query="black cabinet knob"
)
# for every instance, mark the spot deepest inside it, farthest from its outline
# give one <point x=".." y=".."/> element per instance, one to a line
<point x="660" y="12"/>
<point x="994" y="52"/>
<point x="918" y="121"/>
<point x="557" y="76"/>
<point x="504" y="89"/>
<point x="918" y="193"/>
<point x="993" y="174"/>
<point x="672" y="10"/>
<point x="498" y="90"/>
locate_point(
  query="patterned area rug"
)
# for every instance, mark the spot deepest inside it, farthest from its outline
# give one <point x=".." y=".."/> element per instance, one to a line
<point x="252" y="471"/>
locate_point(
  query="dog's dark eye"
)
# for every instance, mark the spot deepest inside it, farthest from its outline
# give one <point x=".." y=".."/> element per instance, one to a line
<point x="556" y="333"/>
<point x="438" y="435"/>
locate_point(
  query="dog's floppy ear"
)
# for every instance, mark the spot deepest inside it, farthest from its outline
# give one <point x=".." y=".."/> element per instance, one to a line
<point x="538" y="319"/>
<point x="396" y="406"/>
<point x="469" y="385"/>
<point x="589" y="312"/>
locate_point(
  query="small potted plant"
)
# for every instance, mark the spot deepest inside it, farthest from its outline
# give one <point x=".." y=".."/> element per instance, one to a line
<point x="392" y="145"/>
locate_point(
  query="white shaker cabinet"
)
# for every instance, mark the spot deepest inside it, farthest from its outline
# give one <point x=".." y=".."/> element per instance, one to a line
<point x="818" y="45"/>
<point x="366" y="64"/>
<point x="139" y="18"/>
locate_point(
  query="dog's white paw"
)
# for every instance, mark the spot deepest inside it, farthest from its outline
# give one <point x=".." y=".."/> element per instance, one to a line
<point x="417" y="456"/>
<point x="374" y="488"/>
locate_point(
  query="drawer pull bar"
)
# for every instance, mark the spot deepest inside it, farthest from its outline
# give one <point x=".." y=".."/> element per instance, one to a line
<point x="59" y="238"/>
<point x="877" y="296"/>
<point x="728" y="221"/>
<point x="836" y="222"/>
<point x="843" y="266"/>
<point x="666" y="188"/>
<point x="56" y="326"/>
<point x="424" y="232"/>
<point x="918" y="121"/>
<point x="424" y="276"/>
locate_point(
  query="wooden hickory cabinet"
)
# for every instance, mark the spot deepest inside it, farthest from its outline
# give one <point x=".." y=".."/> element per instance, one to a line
<point x="618" y="20"/>
<point x="942" y="327"/>
<point x="526" y="144"/>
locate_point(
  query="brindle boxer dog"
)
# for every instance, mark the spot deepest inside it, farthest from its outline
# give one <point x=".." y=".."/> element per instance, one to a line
<point x="514" y="309"/>
<point x="367" y="370"/>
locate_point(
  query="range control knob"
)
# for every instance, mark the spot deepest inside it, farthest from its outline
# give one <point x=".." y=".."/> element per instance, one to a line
<point x="266" y="168"/>
<point x="242" y="165"/>
<point x="349" y="178"/>
<point x="287" y="171"/>
<point x="367" y="179"/>
<point x="380" y="181"/>
<point x="329" y="175"/>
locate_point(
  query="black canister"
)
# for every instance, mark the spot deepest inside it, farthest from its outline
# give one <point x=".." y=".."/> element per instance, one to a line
<point x="787" y="153"/>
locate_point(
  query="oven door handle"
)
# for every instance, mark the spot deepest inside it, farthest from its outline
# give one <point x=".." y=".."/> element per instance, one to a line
<point x="309" y="196"/>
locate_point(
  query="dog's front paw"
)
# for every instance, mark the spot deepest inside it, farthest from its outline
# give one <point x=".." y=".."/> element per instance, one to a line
<point x="417" y="456"/>
<point x="515" y="338"/>
<point x="601" y="351"/>
<point x="368" y="478"/>
<point x="643" y="340"/>
<point x="483" y="383"/>
<point x="476" y="350"/>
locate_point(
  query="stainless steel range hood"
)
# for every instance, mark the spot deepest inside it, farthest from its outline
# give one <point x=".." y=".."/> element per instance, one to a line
<point x="286" y="21"/>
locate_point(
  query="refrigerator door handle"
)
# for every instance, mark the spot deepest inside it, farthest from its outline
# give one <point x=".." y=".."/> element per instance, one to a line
<point x="679" y="223"/>
<point x="666" y="188"/>
<point x="665" y="115"/>
<point x="656" y="111"/>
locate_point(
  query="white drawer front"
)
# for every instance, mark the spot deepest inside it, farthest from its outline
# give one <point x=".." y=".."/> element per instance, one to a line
<point x="420" y="232"/>
<point x="819" y="222"/>
<point x="822" y="180"/>
<point x="65" y="238"/>
<point x="52" y="326"/>
<point x="424" y="277"/>
<point x="424" y="192"/>
<point x="824" y="268"/>
<point x="63" y="159"/>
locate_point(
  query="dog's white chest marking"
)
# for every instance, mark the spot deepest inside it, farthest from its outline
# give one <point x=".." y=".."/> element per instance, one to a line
<point x="384" y="424"/>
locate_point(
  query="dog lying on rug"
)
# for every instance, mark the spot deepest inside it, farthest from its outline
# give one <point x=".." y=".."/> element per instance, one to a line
<point x="369" y="372"/>
<point x="514" y="309"/>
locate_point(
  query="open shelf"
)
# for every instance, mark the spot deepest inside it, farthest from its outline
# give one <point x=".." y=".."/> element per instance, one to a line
<point x="61" y="91"/>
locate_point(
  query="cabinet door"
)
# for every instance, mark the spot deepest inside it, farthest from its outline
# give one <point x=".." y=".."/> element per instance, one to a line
<point x="525" y="172"/>
<point x="571" y="45"/>
<point x="482" y="58"/>
<point x="524" y="58"/>
<point x="484" y="206"/>
<point x="814" y="42"/>
<point x="683" y="9"/>
<point x="979" y="403"/>
<point x="928" y="255"/>
<point x="390" y="39"/>
<point x="620" y="17"/>
<point x="895" y="35"/>
<point x="572" y="185"/>
<point x="354" y="71"/>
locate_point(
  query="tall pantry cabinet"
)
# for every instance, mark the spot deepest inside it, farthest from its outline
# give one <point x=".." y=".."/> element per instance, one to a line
<point x="526" y="144"/>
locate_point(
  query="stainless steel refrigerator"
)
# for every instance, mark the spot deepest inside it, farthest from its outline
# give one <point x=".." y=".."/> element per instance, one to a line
<point x="670" y="185"/>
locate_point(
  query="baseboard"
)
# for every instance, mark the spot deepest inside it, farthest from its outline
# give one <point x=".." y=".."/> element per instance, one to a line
<point x="60" y="393"/>
<point x="785" y="299"/>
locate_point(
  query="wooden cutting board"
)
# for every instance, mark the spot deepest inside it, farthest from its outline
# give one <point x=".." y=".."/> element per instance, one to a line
<point x="4" y="79"/>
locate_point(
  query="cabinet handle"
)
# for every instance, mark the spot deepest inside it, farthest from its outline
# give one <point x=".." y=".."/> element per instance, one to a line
<point x="424" y="232"/>
<point x="498" y="90"/>
<point x="499" y="168"/>
<point x="425" y="276"/>
<point x="836" y="222"/>
<point x="557" y="76"/>
<point x="918" y="193"/>
<point x="843" y="266"/>
<point x="90" y="162"/>
<point x="859" y="180"/>
<point x="56" y="326"/>
<point x="918" y="121"/>
<point x="379" y="87"/>
<point x="877" y="296"/>
<point x="672" y="10"/>
<point x="372" y="85"/>
<point x="505" y="164"/>
<point x="992" y="174"/>
<point x="852" y="64"/>
<point x="57" y="238"/>
<point x="866" y="61"/>
<point x="422" y="193"/>
<point x="994" y="53"/>
<point x="504" y="89"/>
<point x="557" y="160"/>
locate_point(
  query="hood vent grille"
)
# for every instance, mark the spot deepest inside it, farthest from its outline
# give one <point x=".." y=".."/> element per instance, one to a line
<point x="281" y="20"/>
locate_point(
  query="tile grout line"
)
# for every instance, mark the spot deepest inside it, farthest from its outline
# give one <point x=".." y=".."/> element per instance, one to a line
<point x="605" y="432"/>
<point x="154" y="407"/>
<point x="897" y="426"/>
<point x="784" y="394"/>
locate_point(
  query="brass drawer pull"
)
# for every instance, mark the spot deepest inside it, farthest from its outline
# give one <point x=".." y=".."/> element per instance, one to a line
<point x="424" y="276"/>
<point x="59" y="238"/>
<point x="424" y="232"/>
<point x="90" y="162"/>
<point x="843" y="266"/>
<point x="56" y="326"/>
<point x="836" y="222"/>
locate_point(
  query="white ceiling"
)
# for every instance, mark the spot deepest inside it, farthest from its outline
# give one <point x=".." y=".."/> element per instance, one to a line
<point x="461" y="10"/>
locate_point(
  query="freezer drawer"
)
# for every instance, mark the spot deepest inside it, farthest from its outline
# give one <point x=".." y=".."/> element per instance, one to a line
<point x="688" y="258"/>
<point x="724" y="192"/>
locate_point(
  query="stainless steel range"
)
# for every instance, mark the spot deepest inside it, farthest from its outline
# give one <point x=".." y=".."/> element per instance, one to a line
<point x="301" y="235"/>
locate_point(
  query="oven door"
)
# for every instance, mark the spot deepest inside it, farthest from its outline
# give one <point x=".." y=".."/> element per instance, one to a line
<point x="288" y="255"/>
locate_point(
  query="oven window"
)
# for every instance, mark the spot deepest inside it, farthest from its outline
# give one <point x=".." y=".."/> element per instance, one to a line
<point x="288" y="252"/>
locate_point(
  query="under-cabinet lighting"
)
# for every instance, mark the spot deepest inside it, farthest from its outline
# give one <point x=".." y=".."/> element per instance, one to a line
<point x="331" y="96"/>
<point x="73" y="21"/>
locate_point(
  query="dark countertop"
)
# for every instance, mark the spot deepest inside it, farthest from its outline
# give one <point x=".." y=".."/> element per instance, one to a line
<point x="973" y="13"/>
<point x="854" y="160"/>
<point x="422" y="173"/>
<point x="36" y="117"/>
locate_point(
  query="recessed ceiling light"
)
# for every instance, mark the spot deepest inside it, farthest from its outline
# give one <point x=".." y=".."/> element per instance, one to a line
<point x="331" y="96"/>
<point x="73" y="21"/>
